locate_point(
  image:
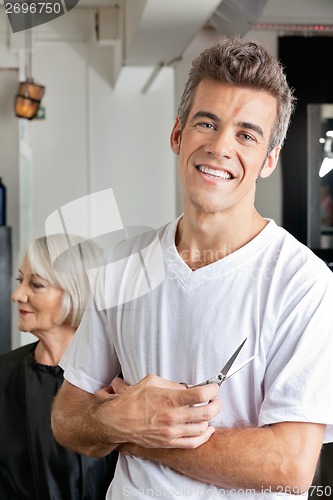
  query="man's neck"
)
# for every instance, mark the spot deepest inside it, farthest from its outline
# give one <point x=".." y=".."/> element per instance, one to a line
<point x="202" y="239"/>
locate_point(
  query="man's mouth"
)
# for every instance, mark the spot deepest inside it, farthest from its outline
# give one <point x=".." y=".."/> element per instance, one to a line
<point x="221" y="174"/>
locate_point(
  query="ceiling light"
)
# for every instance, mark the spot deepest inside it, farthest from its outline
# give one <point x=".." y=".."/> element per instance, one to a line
<point x="326" y="166"/>
<point x="327" y="163"/>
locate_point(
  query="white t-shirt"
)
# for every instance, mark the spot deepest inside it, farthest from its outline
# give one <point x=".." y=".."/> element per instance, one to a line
<point x="153" y="315"/>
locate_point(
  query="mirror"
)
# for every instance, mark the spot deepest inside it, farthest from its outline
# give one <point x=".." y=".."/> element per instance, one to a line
<point x="320" y="176"/>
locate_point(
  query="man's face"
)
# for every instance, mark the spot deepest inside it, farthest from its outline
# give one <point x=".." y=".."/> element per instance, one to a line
<point x="223" y="147"/>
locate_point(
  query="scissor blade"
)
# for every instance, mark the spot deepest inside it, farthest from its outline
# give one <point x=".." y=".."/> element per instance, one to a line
<point x="230" y="362"/>
<point x="239" y="366"/>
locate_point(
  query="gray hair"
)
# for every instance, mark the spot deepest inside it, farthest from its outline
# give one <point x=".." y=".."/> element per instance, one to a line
<point x="63" y="261"/>
<point x="245" y="64"/>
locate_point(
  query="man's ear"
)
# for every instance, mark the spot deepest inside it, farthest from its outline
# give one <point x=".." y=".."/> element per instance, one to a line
<point x="175" y="138"/>
<point x="270" y="163"/>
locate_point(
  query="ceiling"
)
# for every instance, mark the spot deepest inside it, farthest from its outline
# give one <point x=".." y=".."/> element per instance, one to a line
<point x="156" y="33"/>
<point x="95" y="3"/>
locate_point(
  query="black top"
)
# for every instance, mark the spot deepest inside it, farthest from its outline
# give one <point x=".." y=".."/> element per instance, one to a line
<point x="33" y="466"/>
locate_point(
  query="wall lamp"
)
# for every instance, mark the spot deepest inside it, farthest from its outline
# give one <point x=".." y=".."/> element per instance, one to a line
<point x="29" y="94"/>
<point x="28" y="99"/>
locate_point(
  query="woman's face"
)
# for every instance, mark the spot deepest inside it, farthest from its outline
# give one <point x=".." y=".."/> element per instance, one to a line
<point x="39" y="303"/>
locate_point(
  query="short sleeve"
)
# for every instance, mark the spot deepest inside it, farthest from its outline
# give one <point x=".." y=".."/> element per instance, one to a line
<point x="298" y="383"/>
<point x="90" y="362"/>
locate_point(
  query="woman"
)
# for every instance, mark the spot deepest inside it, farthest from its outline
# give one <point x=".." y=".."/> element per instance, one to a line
<point x="51" y="296"/>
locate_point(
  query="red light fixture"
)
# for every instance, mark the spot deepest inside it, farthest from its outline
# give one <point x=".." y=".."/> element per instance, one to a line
<point x="286" y="27"/>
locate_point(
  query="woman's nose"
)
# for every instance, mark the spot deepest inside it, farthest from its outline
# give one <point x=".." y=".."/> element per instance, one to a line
<point x="20" y="294"/>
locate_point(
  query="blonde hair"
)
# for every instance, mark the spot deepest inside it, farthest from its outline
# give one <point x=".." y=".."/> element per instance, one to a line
<point x="63" y="261"/>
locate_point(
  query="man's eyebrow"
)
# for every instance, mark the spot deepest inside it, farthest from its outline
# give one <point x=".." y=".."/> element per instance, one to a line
<point x="252" y="126"/>
<point x="206" y="114"/>
<point x="215" y="118"/>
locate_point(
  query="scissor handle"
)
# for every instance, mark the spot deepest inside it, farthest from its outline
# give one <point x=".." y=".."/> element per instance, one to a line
<point x="218" y="379"/>
<point x="203" y="383"/>
<point x="210" y="381"/>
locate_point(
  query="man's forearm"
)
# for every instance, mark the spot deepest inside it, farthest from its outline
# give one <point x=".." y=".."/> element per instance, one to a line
<point x="276" y="457"/>
<point x="153" y="413"/>
<point x="74" y="425"/>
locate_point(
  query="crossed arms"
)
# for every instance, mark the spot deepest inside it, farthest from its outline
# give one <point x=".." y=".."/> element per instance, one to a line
<point x="156" y="420"/>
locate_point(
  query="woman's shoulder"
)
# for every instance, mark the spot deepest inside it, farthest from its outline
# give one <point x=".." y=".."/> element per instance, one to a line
<point x="17" y="354"/>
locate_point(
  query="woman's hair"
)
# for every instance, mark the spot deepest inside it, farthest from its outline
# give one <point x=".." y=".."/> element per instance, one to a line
<point x="245" y="64"/>
<point x="63" y="261"/>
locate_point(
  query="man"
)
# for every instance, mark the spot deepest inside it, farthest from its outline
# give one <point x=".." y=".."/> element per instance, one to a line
<point x="230" y="274"/>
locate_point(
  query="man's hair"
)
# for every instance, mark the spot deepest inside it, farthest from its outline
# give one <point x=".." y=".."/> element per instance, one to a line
<point x="68" y="272"/>
<point x="246" y="64"/>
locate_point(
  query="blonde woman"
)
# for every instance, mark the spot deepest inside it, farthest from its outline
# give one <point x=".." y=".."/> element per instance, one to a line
<point x="50" y="306"/>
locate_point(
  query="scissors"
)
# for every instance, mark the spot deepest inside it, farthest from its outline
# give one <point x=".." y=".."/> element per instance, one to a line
<point x="225" y="372"/>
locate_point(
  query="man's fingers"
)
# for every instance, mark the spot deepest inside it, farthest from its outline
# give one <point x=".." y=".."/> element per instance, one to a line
<point x="195" y="404"/>
<point x="183" y="442"/>
<point x="190" y="438"/>
<point x="198" y="395"/>
<point x="119" y="385"/>
<point x="195" y="441"/>
<point x="156" y="412"/>
<point x="203" y="412"/>
<point x="105" y="394"/>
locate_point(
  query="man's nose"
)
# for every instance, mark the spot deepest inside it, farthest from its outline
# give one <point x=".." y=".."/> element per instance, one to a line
<point x="220" y="144"/>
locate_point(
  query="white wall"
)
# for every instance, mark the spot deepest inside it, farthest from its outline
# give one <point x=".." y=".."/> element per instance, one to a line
<point x="95" y="137"/>
<point x="60" y="142"/>
<point x="130" y="150"/>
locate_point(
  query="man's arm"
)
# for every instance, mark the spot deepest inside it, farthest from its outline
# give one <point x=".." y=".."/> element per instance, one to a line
<point x="152" y="413"/>
<point x="278" y="457"/>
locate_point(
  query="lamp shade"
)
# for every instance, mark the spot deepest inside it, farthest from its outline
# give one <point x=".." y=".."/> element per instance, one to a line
<point x="28" y="98"/>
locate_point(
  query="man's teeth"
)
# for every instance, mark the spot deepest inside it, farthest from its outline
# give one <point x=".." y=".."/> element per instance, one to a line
<point x="216" y="173"/>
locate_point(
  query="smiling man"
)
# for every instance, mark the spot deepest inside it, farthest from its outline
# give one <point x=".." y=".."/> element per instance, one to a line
<point x="223" y="148"/>
<point x="230" y="273"/>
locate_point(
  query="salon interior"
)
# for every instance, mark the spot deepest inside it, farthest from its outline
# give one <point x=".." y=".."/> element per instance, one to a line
<point x="108" y="75"/>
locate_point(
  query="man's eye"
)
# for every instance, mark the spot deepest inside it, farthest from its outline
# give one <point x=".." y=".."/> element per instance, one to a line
<point x="210" y="126"/>
<point x="19" y="279"/>
<point x="247" y="137"/>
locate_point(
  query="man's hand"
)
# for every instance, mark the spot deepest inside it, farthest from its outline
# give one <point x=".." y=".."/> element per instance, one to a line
<point x="158" y="413"/>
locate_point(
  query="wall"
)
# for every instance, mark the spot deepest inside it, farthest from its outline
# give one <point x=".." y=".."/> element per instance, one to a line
<point x="9" y="151"/>
<point x="130" y="144"/>
<point x="94" y="137"/>
<point x="10" y="176"/>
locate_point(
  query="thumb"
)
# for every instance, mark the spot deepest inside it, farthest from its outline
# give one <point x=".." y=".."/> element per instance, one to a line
<point x="105" y="393"/>
<point x="119" y="385"/>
